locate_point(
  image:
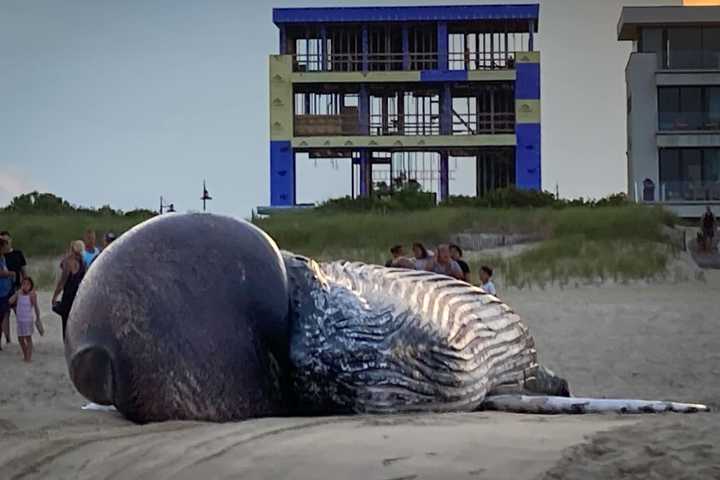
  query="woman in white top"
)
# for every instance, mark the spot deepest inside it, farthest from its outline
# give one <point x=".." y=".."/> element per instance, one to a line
<point x="423" y="259"/>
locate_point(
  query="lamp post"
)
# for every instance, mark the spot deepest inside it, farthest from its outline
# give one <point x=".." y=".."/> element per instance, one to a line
<point x="205" y="197"/>
<point x="170" y="206"/>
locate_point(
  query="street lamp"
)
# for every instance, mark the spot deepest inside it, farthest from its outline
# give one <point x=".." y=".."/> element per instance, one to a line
<point x="206" y="196"/>
<point x="170" y="206"/>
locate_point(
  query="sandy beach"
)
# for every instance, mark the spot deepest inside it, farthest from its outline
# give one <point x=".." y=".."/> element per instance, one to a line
<point x="651" y="342"/>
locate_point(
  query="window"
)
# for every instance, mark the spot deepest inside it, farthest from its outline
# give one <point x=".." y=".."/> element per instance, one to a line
<point x="651" y="41"/>
<point x="689" y="108"/>
<point x="682" y="48"/>
<point x="711" y="47"/>
<point x="690" y="174"/>
<point x="685" y="45"/>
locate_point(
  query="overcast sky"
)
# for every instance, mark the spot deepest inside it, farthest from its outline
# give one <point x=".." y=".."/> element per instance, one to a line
<point x="119" y="102"/>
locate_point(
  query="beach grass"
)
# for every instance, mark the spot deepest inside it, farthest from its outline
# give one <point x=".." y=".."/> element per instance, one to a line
<point x="40" y="235"/>
<point x="617" y="243"/>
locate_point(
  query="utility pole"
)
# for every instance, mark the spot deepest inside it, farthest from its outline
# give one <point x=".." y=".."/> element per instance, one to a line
<point x="205" y="197"/>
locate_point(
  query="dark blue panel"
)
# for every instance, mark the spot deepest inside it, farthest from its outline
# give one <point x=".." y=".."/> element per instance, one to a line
<point x="527" y="85"/>
<point x="364" y="109"/>
<point x="528" y="167"/>
<point x="365" y="49"/>
<point x="455" y="13"/>
<point x="446" y="119"/>
<point x="406" y="46"/>
<point x="443" y="75"/>
<point x="282" y="173"/>
<point x="365" y="173"/>
<point x="442" y="46"/>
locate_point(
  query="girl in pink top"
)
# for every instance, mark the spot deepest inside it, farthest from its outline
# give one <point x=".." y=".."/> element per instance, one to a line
<point x="24" y="303"/>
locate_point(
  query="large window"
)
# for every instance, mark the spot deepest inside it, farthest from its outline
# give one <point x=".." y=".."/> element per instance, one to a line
<point x="690" y="174"/>
<point x="689" y="108"/>
<point x="683" y="47"/>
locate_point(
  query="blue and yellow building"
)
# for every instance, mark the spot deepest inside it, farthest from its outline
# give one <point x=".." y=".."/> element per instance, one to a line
<point x="401" y="91"/>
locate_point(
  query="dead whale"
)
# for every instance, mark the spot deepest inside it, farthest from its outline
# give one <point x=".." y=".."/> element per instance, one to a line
<point x="202" y="317"/>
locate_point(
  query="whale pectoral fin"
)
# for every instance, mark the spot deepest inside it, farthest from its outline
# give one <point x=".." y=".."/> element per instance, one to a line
<point x="545" y="382"/>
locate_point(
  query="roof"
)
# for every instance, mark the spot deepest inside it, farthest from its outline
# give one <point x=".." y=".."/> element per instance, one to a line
<point x="449" y="13"/>
<point x="633" y="18"/>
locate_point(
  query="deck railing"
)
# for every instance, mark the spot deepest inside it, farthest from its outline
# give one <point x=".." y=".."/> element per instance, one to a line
<point x="353" y="62"/>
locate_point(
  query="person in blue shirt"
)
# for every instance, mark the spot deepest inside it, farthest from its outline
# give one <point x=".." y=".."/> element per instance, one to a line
<point x="486" y="274"/>
<point x="91" y="251"/>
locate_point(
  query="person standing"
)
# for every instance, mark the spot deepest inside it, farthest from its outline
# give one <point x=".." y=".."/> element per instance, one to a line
<point x="396" y="252"/>
<point x="445" y="265"/>
<point x="486" y="274"/>
<point x="108" y="238"/>
<point x="25" y="303"/>
<point x="709" y="225"/>
<point x="7" y="280"/>
<point x="73" y="271"/>
<point x="423" y="259"/>
<point x="456" y="253"/>
<point x="16" y="263"/>
<point x="91" y="251"/>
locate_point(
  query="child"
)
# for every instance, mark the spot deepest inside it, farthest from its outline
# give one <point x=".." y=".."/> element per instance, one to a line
<point x="24" y="302"/>
<point x="486" y="274"/>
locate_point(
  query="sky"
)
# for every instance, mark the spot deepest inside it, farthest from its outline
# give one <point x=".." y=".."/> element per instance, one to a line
<point x="109" y="102"/>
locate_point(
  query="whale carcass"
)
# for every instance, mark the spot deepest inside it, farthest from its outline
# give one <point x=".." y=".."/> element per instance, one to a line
<point x="202" y="317"/>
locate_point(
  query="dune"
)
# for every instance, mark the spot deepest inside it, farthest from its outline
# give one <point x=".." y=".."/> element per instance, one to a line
<point x="652" y="342"/>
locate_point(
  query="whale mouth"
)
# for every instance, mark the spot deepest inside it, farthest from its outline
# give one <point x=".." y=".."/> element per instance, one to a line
<point x="91" y="370"/>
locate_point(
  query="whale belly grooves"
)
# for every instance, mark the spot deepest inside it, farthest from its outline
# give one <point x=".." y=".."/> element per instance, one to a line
<point x="370" y="339"/>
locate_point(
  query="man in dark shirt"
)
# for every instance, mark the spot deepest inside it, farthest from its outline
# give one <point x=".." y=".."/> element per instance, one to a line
<point x="15" y="261"/>
<point x="456" y="254"/>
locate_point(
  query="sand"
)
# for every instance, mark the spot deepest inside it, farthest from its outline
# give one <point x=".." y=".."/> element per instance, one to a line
<point x="653" y="342"/>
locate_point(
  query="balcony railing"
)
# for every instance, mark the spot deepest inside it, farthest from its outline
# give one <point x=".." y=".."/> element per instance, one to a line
<point x="483" y="123"/>
<point x="353" y="62"/>
<point x="682" y="121"/>
<point x="689" y="191"/>
<point x="327" y="125"/>
<point x="481" y="60"/>
<point x="348" y="124"/>
<point x="690" y="60"/>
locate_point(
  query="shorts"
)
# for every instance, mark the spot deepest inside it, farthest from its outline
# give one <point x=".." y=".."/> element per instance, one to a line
<point x="4" y="305"/>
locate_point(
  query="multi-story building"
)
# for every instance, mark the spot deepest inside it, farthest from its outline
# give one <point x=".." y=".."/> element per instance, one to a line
<point x="673" y="106"/>
<point x="400" y="91"/>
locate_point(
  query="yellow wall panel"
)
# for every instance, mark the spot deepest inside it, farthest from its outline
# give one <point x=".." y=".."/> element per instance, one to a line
<point x="527" y="111"/>
<point x="281" y="97"/>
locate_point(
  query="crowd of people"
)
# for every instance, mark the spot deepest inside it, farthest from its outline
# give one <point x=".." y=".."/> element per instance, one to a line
<point x="447" y="259"/>
<point x="17" y="288"/>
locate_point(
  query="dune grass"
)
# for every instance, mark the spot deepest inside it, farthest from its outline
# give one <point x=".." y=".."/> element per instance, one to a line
<point x="50" y="235"/>
<point x="618" y="243"/>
